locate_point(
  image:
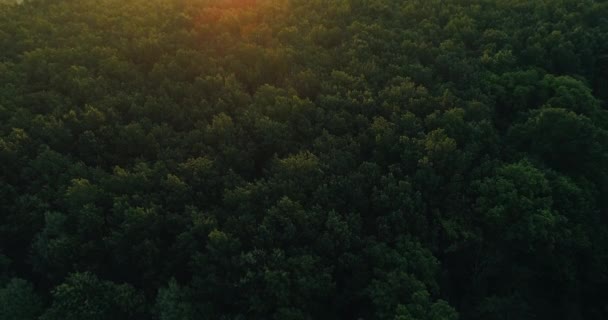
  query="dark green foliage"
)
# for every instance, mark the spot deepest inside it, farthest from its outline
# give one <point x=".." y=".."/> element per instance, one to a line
<point x="300" y="160"/>
<point x="18" y="301"/>
<point x="84" y="296"/>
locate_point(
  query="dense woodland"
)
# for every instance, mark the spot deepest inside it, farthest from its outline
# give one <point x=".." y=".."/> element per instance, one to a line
<point x="304" y="159"/>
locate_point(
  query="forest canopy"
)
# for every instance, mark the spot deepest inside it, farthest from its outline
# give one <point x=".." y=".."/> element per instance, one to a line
<point x="303" y="159"/>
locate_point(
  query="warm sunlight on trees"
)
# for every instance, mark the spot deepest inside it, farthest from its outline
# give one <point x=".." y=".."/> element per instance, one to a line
<point x="303" y="159"/>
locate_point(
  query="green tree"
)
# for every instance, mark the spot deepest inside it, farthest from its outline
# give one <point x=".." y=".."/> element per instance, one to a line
<point x="84" y="296"/>
<point x="19" y="301"/>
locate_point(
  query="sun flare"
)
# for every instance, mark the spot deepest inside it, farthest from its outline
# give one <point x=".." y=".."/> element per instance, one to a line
<point x="303" y="159"/>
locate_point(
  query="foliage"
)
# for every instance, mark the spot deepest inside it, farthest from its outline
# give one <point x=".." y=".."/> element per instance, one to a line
<point x="303" y="159"/>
